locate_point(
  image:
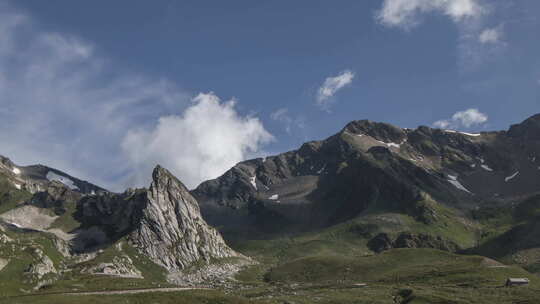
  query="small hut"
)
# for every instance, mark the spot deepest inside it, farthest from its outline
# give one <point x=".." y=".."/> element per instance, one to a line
<point x="510" y="282"/>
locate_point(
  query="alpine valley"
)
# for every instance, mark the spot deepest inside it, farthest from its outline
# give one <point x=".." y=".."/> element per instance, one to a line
<point x="372" y="214"/>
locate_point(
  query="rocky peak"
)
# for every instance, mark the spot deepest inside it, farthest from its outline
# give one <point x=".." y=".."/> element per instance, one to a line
<point x="378" y="130"/>
<point x="171" y="230"/>
<point x="529" y="129"/>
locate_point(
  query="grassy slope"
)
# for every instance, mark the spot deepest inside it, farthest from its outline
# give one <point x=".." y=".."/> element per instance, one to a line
<point x="313" y="267"/>
<point x="154" y="275"/>
<point x="10" y="196"/>
<point x="512" y="233"/>
<point x="67" y="222"/>
<point x="320" y="267"/>
<point x="19" y="254"/>
<point x="350" y="238"/>
<point x="191" y="297"/>
<point x="424" y="266"/>
<point x="433" y="276"/>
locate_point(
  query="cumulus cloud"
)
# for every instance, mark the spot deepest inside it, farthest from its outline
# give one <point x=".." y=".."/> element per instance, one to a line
<point x="64" y="104"/>
<point x="331" y="86"/>
<point x="408" y="13"/>
<point x="200" y="144"/>
<point x="466" y="119"/>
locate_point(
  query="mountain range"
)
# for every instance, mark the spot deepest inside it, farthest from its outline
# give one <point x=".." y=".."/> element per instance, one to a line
<point x="460" y="210"/>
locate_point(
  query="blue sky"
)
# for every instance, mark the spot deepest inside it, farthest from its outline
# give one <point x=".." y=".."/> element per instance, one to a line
<point x="106" y="89"/>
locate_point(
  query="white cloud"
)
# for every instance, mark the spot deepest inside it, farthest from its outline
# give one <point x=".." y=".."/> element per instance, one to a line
<point x="476" y="44"/>
<point x="408" y="13"/>
<point x="331" y="86"/>
<point x="206" y="140"/>
<point x="490" y="35"/>
<point x="65" y="105"/>
<point x="467" y="119"/>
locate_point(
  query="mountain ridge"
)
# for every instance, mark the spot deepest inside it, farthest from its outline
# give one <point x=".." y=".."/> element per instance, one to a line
<point x="369" y="191"/>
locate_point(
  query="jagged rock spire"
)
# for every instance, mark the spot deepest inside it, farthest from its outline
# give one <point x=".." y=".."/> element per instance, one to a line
<point x="172" y="231"/>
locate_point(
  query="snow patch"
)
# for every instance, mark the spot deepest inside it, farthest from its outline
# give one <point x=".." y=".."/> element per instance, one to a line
<point x="453" y="180"/>
<point x="389" y="145"/>
<point x="15" y="224"/>
<point x="253" y="182"/>
<point x="16" y="170"/>
<point x="452" y="177"/>
<point x="17" y="186"/>
<point x="322" y="169"/>
<point x="51" y="176"/>
<point x="509" y="178"/>
<point x="464" y="133"/>
<point x="471" y="134"/>
<point x="473" y="166"/>
<point x="274" y="197"/>
<point x="487" y="168"/>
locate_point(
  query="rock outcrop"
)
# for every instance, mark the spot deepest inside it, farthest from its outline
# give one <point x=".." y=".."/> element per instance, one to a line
<point x="120" y="266"/>
<point x="42" y="271"/>
<point x="3" y="263"/>
<point x="383" y="242"/>
<point x="162" y="222"/>
<point x="171" y="230"/>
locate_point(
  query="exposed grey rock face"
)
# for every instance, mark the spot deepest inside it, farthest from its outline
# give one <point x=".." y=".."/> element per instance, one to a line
<point x="380" y="243"/>
<point x="208" y="275"/>
<point x="171" y="230"/>
<point x="121" y="266"/>
<point x="42" y="266"/>
<point x="3" y="263"/>
<point x="55" y="196"/>
<point x="4" y="239"/>
<point x="410" y="240"/>
<point x="380" y="131"/>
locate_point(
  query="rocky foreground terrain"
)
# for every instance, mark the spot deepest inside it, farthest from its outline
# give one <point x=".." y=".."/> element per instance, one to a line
<point x="373" y="214"/>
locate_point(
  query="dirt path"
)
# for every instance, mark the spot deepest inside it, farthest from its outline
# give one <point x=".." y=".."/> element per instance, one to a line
<point x="131" y="291"/>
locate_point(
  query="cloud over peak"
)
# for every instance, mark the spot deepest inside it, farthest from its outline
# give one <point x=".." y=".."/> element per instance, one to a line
<point x="331" y="86"/>
<point x="462" y="119"/>
<point x="207" y="139"/>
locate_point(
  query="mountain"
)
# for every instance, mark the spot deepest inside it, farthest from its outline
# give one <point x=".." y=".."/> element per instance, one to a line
<point x="82" y="222"/>
<point x="171" y="221"/>
<point x="38" y="178"/>
<point x="409" y="187"/>
<point x="419" y="215"/>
